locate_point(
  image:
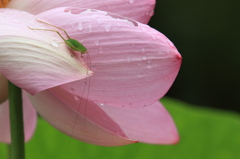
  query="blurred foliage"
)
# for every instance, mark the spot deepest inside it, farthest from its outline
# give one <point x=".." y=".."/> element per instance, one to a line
<point x="205" y="134"/>
<point x="207" y="35"/>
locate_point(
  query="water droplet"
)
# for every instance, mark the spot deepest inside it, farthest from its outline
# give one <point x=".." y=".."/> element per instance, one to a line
<point x="100" y="50"/>
<point x="101" y="104"/>
<point x="97" y="42"/>
<point x="76" y="97"/>
<point x="107" y="27"/>
<point x="80" y="26"/>
<point x="131" y="1"/>
<point x="144" y="58"/>
<point x="90" y="28"/>
<point x="140" y="74"/>
<point x="149" y="64"/>
<point x="55" y="44"/>
<point x="90" y="72"/>
<point x="71" y="90"/>
<point x="151" y="13"/>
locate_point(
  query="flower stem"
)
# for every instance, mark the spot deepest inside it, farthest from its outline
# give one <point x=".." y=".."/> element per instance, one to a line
<point x="16" y="122"/>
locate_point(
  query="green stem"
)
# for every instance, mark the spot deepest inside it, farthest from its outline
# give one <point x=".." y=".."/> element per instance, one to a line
<point x="16" y="122"/>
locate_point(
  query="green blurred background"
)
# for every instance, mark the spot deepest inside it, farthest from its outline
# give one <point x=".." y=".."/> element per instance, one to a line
<point x="205" y="134"/>
<point x="207" y="35"/>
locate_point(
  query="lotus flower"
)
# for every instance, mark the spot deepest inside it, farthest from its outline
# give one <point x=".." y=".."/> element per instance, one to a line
<point x="133" y="64"/>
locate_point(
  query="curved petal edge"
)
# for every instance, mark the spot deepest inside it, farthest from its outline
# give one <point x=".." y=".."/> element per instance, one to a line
<point x="74" y="124"/>
<point x="134" y="65"/>
<point x="33" y="59"/>
<point x="152" y="124"/>
<point x="139" y="10"/>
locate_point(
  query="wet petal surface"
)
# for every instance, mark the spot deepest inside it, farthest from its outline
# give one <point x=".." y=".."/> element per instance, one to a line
<point x="33" y="59"/>
<point x="133" y="64"/>
<point x="139" y="10"/>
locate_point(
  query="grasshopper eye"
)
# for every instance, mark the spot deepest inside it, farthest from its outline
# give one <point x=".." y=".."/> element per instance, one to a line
<point x="84" y="51"/>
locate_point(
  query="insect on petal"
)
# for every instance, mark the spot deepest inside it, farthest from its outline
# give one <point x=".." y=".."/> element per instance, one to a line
<point x="33" y="59"/>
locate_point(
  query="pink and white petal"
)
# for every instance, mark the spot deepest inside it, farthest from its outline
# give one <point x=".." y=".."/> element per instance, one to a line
<point x="139" y="10"/>
<point x="151" y="124"/>
<point x="79" y="118"/>
<point x="3" y="88"/>
<point x="133" y="64"/>
<point x="32" y="59"/>
<point x="30" y="117"/>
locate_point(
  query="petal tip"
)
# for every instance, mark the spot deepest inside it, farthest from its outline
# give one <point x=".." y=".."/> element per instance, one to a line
<point x="179" y="56"/>
<point x="176" y="140"/>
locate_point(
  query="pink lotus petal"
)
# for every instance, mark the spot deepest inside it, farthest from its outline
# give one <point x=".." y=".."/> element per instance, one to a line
<point x="3" y="88"/>
<point x="151" y="124"/>
<point x="30" y="117"/>
<point x="139" y="10"/>
<point x="79" y="118"/>
<point x="134" y="65"/>
<point x="32" y="59"/>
